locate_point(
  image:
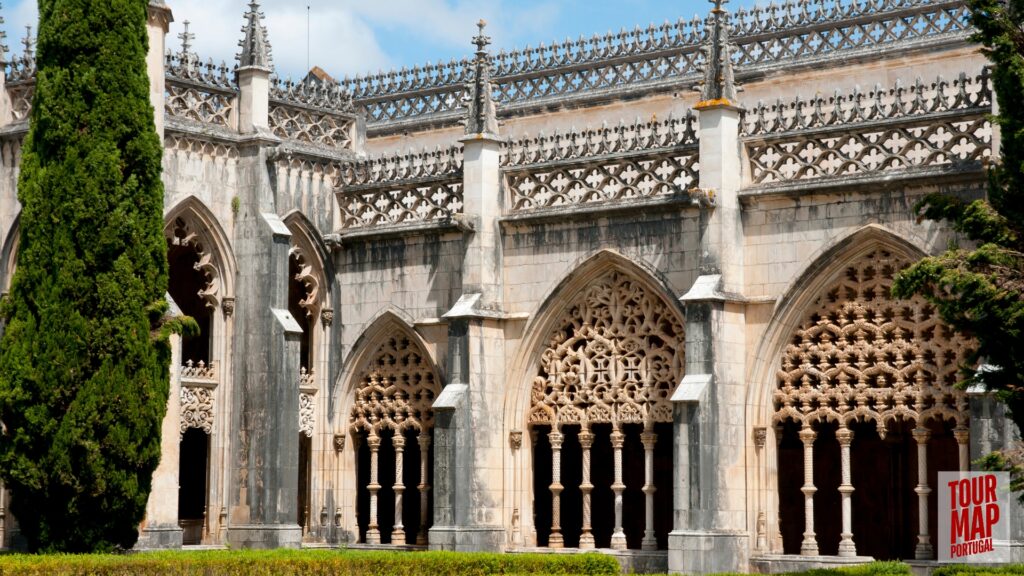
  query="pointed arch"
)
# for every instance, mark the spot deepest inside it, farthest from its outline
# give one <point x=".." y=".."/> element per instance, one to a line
<point x="191" y="222"/>
<point x="560" y="296"/>
<point x="9" y="256"/>
<point x="389" y="333"/>
<point x="313" y="258"/>
<point x="822" y="270"/>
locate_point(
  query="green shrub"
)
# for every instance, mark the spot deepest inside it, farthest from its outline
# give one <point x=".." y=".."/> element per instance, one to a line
<point x="314" y="563"/>
<point x="962" y="570"/>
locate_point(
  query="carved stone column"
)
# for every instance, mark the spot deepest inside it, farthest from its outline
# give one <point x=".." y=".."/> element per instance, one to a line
<point x="923" y="550"/>
<point x="809" y="547"/>
<point x="555" y="540"/>
<point x="761" y="537"/>
<point x="398" y="535"/>
<point x="963" y="437"/>
<point x="586" y="442"/>
<point x="649" y="541"/>
<point x="846" y="545"/>
<point x="372" y="530"/>
<point x="618" y="536"/>
<point x="424" y="486"/>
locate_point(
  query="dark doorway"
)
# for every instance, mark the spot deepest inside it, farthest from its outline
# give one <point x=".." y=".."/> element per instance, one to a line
<point x="305" y="469"/>
<point x="193" y="469"/>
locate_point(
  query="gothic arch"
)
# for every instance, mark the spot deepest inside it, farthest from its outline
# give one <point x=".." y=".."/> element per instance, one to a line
<point x="538" y="327"/>
<point x="9" y="256"/>
<point x="191" y="222"/>
<point x="841" y="368"/>
<point x="592" y="382"/>
<point x="822" y="269"/>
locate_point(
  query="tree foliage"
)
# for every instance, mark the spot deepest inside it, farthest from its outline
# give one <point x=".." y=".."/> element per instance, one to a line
<point x="84" y="357"/>
<point x="981" y="291"/>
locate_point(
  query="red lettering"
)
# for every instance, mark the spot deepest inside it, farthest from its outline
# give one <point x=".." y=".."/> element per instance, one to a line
<point x="965" y="493"/>
<point x="977" y="490"/>
<point x="977" y="523"/>
<point x="958" y="526"/>
<point x="952" y="494"/>
<point x="991" y="517"/>
<point x="990" y="488"/>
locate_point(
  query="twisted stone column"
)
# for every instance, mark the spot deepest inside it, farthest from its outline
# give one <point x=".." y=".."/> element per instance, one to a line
<point x="618" y="536"/>
<point x="963" y="436"/>
<point x="649" y="541"/>
<point x="846" y="545"/>
<point x="809" y="547"/>
<point x="556" y="540"/>
<point x="424" y="486"/>
<point x="586" y="442"/>
<point x="372" y="530"/>
<point x="398" y="535"/>
<point x="923" y="550"/>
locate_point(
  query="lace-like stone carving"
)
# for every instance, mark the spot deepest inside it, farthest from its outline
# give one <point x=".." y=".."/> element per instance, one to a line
<point x="307" y="414"/>
<point x="615" y="357"/>
<point x="203" y="105"/>
<point x="396" y="389"/>
<point x="312" y="127"/>
<point x="196" y="408"/>
<point x="861" y="356"/>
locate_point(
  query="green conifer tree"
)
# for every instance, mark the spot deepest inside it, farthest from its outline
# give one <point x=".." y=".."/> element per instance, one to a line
<point x="980" y="291"/>
<point x="84" y="358"/>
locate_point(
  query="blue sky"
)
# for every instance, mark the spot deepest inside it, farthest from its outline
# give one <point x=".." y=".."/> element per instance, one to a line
<point x="361" y="36"/>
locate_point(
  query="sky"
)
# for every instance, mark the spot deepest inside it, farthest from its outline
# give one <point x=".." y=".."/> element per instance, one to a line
<point x="358" y="37"/>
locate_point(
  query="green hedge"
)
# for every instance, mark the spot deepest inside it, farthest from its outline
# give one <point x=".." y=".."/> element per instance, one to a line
<point x="306" y="562"/>
<point x="962" y="570"/>
<point x="872" y="569"/>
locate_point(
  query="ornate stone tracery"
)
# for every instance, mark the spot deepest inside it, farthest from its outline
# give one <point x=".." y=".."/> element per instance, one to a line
<point x="307" y="414"/>
<point x="861" y="356"/>
<point x="307" y="277"/>
<point x="182" y="233"/>
<point x="615" y="357"/>
<point x="396" y="390"/>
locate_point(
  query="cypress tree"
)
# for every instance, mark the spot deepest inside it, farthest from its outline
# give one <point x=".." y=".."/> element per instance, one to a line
<point x="84" y="358"/>
<point x="980" y="290"/>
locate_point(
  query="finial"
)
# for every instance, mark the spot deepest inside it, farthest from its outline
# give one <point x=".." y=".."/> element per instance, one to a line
<point x="255" y="46"/>
<point x="482" y="118"/>
<point x="3" y="39"/>
<point x="28" y="43"/>
<point x="186" y="38"/>
<point x="719" y="86"/>
<point x="480" y="40"/>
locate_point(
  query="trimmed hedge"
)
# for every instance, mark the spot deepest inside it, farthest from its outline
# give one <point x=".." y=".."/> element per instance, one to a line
<point x="962" y="570"/>
<point x="871" y="569"/>
<point x="306" y="562"/>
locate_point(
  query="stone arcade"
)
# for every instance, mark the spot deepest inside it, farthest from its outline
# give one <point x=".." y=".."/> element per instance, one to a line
<point x="584" y="295"/>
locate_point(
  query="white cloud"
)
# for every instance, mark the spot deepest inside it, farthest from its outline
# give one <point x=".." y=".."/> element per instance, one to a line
<point x="343" y="34"/>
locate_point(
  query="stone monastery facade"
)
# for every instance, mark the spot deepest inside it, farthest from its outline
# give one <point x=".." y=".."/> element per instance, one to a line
<point x="584" y="295"/>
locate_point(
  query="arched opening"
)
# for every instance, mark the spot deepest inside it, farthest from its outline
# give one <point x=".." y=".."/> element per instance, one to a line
<point x="392" y="426"/>
<point x="188" y="283"/>
<point x="600" y="419"/>
<point x="193" y="467"/>
<point x="865" y="395"/>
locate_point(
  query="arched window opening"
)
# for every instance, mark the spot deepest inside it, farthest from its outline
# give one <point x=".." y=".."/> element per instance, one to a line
<point x="601" y="419"/>
<point x="392" y="424"/>
<point x="187" y="285"/>
<point x="866" y="415"/>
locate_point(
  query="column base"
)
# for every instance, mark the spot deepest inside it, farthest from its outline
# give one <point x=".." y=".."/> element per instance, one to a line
<point x="847" y="549"/>
<point x="373" y="536"/>
<point x="263" y="537"/>
<point x="924" y="552"/>
<point x="618" y="541"/>
<point x="708" y="551"/>
<point x="398" y="535"/>
<point x="468" y="538"/>
<point x="587" y="540"/>
<point x="159" y="538"/>
<point x="555" y="540"/>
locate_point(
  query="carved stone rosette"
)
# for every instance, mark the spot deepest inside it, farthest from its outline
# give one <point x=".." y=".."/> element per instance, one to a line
<point x="196" y="408"/>
<point x="307" y="414"/>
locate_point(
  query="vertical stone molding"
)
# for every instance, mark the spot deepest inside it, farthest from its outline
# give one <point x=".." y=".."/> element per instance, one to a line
<point x="373" y="530"/>
<point x="648" y="439"/>
<point x="398" y="534"/>
<point x="424" y="488"/>
<point x="555" y="540"/>
<point x="586" y="439"/>
<point x="618" y="536"/>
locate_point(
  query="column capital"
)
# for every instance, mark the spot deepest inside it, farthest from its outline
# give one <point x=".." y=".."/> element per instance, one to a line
<point x="373" y="441"/>
<point x="617" y="438"/>
<point x="424" y="439"/>
<point x="807" y="435"/>
<point x="921" y="434"/>
<point x="398" y="441"/>
<point x="556" y="439"/>
<point x="586" y="439"/>
<point x="648" y="439"/>
<point x="845" y="436"/>
<point x="962" y="434"/>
